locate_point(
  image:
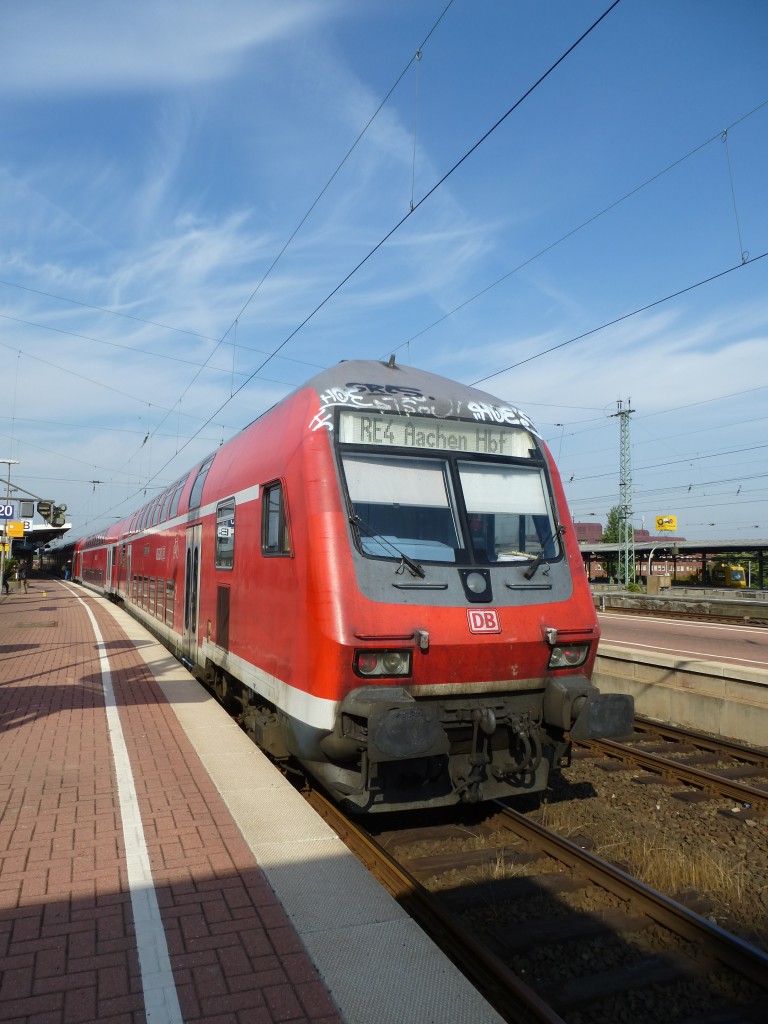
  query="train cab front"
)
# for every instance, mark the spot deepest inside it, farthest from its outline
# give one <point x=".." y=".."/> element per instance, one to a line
<point x="476" y="632"/>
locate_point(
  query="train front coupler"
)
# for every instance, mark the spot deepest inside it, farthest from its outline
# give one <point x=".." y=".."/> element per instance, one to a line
<point x="573" y="704"/>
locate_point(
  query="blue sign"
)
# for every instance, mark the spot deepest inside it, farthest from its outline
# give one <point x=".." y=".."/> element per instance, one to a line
<point x="7" y="511"/>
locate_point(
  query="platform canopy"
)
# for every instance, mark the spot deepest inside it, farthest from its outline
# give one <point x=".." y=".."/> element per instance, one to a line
<point x="39" y="534"/>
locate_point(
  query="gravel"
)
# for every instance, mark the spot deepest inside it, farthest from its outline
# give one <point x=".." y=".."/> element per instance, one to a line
<point x="712" y="855"/>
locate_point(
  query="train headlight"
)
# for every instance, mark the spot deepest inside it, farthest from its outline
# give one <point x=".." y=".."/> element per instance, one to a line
<point x="382" y="664"/>
<point x="476" y="582"/>
<point x="568" y="655"/>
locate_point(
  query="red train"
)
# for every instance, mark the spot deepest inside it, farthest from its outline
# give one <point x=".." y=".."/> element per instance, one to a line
<point x="380" y="578"/>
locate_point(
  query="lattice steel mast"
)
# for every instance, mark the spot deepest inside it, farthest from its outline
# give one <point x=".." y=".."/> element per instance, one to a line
<point x="626" y="529"/>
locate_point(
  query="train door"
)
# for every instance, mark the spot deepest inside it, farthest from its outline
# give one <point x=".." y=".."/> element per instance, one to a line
<point x="191" y="592"/>
<point x="124" y="571"/>
<point x="110" y="562"/>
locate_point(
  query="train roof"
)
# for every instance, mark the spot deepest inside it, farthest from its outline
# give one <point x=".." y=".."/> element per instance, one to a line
<point x="389" y="387"/>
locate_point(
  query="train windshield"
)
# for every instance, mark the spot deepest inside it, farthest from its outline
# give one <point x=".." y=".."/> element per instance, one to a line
<point x="439" y="510"/>
<point x="508" y="512"/>
<point x="403" y="505"/>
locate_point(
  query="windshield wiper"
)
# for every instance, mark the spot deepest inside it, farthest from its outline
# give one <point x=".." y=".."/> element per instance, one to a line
<point x="533" y="568"/>
<point x="413" y="567"/>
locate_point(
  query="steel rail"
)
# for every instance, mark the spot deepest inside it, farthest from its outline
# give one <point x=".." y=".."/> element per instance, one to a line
<point x="515" y="1001"/>
<point x="728" y="949"/>
<point x="701" y="739"/>
<point x="742" y="792"/>
<point x="757" y="621"/>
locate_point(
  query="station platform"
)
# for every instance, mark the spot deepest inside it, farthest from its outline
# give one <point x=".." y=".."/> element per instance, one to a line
<point x="154" y="866"/>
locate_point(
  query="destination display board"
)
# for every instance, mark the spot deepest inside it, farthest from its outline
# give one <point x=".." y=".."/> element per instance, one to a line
<point x="425" y="434"/>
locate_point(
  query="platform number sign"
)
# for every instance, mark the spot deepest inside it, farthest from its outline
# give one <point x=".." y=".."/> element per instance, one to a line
<point x="6" y="511"/>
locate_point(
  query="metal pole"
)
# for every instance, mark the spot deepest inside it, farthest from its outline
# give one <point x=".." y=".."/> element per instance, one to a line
<point x="627" y="539"/>
<point x="650" y="556"/>
<point x="6" y="538"/>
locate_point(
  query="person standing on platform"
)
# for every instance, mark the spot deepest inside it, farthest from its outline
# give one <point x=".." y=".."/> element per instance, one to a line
<point x="22" y="574"/>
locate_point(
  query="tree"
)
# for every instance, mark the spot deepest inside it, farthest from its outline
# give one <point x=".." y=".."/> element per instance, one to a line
<point x="612" y="532"/>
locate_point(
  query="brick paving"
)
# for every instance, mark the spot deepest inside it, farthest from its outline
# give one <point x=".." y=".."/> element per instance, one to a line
<point x="68" y="948"/>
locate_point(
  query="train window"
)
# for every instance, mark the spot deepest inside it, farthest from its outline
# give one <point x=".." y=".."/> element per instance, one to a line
<point x="176" y="498"/>
<point x="170" y="595"/>
<point x="403" y="506"/>
<point x="225" y="534"/>
<point x="197" y="488"/>
<point x="275" y="534"/>
<point x="508" y="512"/>
<point x="167" y="495"/>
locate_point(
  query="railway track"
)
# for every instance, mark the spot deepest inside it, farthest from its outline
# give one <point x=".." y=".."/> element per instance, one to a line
<point x="757" y="616"/>
<point x="550" y="933"/>
<point x="677" y="755"/>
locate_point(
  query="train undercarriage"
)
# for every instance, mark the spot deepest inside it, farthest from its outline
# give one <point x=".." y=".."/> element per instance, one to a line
<point x="389" y="751"/>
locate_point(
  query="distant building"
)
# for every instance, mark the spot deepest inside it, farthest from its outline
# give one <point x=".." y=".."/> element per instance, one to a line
<point x="659" y="546"/>
<point x="588" y="533"/>
<point x="592" y="533"/>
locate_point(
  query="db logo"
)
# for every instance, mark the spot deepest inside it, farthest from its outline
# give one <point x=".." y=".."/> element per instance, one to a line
<point x="485" y="620"/>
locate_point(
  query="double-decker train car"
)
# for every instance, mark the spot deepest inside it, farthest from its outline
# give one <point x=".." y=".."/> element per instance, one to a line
<point x="380" y="578"/>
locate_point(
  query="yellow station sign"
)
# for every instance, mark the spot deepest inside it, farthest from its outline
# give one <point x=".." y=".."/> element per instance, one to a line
<point x="12" y="529"/>
<point x="666" y="522"/>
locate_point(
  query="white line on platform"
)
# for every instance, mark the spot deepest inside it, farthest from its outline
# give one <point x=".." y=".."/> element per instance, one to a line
<point x="161" y="1001"/>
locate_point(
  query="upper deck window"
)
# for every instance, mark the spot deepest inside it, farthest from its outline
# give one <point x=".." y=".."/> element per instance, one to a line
<point x="197" y="488"/>
<point x="172" y="512"/>
<point x="166" y="500"/>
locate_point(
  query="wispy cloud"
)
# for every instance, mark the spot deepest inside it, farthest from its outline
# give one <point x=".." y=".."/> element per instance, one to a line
<point x="113" y="46"/>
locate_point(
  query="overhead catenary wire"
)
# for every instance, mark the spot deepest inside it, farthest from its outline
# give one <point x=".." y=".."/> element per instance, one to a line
<point x="301" y="224"/>
<point x="579" y="227"/>
<point x="620" y="319"/>
<point x="218" y="342"/>
<point x="285" y="350"/>
<point x="744" y="255"/>
<point x="586" y="222"/>
<point x="410" y="212"/>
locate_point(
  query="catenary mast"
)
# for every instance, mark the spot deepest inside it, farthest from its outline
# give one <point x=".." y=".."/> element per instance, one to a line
<point x="627" y="532"/>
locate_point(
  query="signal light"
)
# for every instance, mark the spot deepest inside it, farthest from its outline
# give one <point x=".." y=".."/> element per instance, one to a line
<point x="57" y="516"/>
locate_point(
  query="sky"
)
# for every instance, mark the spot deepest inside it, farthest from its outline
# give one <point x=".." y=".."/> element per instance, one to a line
<point x="203" y="205"/>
